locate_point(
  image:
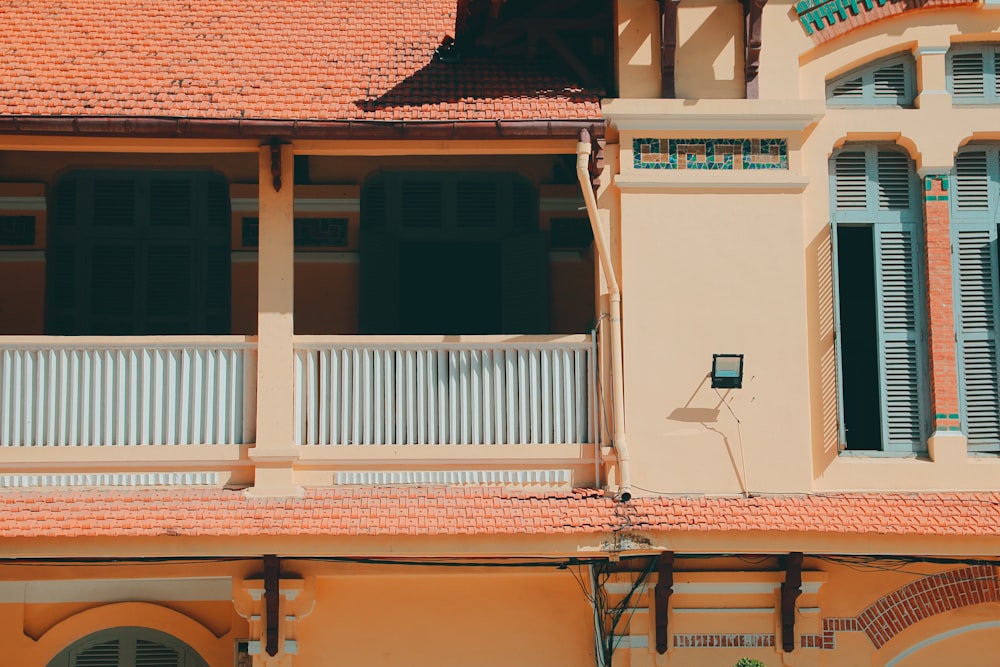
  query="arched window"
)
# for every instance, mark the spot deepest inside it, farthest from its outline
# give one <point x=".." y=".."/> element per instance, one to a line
<point x="884" y="82"/>
<point x="880" y="315"/>
<point x="128" y="647"/>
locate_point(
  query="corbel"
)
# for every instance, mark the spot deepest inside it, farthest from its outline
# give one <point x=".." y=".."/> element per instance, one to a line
<point x="276" y="164"/>
<point x="272" y="601"/>
<point x="753" y="12"/>
<point x="668" y="47"/>
<point x="664" y="589"/>
<point x="791" y="589"/>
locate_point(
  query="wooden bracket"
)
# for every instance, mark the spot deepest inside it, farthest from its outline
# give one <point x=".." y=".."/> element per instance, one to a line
<point x="753" y="12"/>
<point x="276" y="164"/>
<point x="668" y="47"/>
<point x="664" y="589"/>
<point x="790" y="592"/>
<point x="596" y="164"/>
<point x="272" y="602"/>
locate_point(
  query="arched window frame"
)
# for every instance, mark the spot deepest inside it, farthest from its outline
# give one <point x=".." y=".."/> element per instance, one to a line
<point x="128" y="647"/>
<point x="889" y="81"/>
<point x="874" y="191"/>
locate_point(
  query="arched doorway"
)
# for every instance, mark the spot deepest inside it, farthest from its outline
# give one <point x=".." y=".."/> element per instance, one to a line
<point x="128" y="647"/>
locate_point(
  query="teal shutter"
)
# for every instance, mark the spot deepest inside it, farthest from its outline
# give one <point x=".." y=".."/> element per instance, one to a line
<point x="874" y="187"/>
<point x="886" y="82"/>
<point x="838" y="335"/>
<point x="105" y="654"/>
<point x="972" y="74"/>
<point x="974" y="237"/>
<point x="379" y="307"/>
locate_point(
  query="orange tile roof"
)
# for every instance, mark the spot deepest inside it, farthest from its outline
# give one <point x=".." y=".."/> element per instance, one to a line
<point x="263" y="59"/>
<point x="479" y="511"/>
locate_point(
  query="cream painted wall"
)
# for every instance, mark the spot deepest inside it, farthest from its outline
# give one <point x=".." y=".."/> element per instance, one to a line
<point x="710" y="50"/>
<point x="706" y="273"/>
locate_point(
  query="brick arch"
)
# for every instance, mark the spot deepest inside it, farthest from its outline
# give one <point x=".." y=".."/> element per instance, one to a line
<point x="935" y="594"/>
<point x="824" y="20"/>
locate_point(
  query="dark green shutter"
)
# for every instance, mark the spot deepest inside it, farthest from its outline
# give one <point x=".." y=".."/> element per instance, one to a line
<point x="105" y="654"/>
<point x="379" y="313"/>
<point x="525" y="288"/>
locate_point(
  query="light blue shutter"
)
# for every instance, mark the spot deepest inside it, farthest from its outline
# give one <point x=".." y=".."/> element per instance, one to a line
<point x="885" y="82"/>
<point x="975" y="240"/>
<point x="899" y="298"/>
<point x="874" y="186"/>
<point x="972" y="74"/>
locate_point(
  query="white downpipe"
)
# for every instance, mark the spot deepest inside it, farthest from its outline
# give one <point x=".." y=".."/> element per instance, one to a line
<point x="615" y="299"/>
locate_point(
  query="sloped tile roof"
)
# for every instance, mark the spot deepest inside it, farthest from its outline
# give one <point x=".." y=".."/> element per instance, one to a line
<point x="479" y="511"/>
<point x="263" y="59"/>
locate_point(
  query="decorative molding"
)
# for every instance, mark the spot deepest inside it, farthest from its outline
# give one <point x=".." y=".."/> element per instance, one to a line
<point x="780" y="117"/>
<point x="111" y="479"/>
<point x="825" y="19"/>
<point x="302" y="205"/>
<point x="453" y="477"/>
<point x="22" y="203"/>
<point x="309" y="232"/>
<point x="727" y="640"/>
<point x="22" y="256"/>
<point x="760" y="181"/>
<point x="181" y="589"/>
<point x="710" y="154"/>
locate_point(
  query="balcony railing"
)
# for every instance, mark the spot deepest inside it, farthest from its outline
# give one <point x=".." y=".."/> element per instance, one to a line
<point x="111" y="391"/>
<point x="489" y="390"/>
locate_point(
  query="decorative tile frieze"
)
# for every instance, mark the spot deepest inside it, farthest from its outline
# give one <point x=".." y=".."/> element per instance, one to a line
<point x="720" y="640"/>
<point x="710" y="154"/>
<point x="824" y="19"/>
<point x="17" y="230"/>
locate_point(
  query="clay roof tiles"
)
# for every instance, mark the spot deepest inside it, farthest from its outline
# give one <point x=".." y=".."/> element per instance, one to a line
<point x="479" y="511"/>
<point x="283" y="60"/>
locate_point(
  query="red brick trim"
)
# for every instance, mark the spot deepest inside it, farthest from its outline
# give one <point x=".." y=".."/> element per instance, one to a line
<point x="940" y="304"/>
<point x="926" y="597"/>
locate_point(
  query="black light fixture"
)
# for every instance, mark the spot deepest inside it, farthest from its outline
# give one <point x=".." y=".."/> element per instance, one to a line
<point x="727" y="371"/>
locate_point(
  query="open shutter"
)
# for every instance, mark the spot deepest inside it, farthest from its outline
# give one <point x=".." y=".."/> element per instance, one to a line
<point x="837" y="335"/>
<point x="975" y="241"/>
<point x="899" y="338"/>
<point x="525" y="300"/>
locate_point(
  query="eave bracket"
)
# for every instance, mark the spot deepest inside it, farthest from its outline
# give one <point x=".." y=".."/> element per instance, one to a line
<point x="791" y="589"/>
<point x="753" y="12"/>
<point x="668" y="47"/>
<point x="272" y="602"/>
<point x="664" y="589"/>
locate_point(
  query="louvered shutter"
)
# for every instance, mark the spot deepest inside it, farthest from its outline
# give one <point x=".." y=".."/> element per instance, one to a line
<point x="379" y="308"/>
<point x="972" y="74"/>
<point x="105" y="654"/>
<point x="886" y="82"/>
<point x="525" y="288"/>
<point x="155" y="654"/>
<point x="62" y="286"/>
<point x="874" y="187"/>
<point x="975" y="241"/>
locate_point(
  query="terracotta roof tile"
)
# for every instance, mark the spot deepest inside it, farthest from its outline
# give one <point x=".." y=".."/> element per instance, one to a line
<point x="263" y="59"/>
<point x="471" y="511"/>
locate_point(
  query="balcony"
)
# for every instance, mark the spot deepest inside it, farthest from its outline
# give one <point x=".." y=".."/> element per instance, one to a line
<point x="182" y="410"/>
<point x="297" y="328"/>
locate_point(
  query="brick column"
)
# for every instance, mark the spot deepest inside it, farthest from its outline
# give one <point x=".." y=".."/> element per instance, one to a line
<point x="941" y="318"/>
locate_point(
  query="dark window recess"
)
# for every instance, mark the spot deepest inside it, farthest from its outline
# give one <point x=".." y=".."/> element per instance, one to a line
<point x="138" y="253"/>
<point x="309" y="232"/>
<point x="570" y="234"/>
<point x="17" y="230"/>
<point x="859" y="337"/>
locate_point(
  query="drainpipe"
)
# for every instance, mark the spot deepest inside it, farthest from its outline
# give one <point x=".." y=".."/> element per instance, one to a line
<point x="583" y="150"/>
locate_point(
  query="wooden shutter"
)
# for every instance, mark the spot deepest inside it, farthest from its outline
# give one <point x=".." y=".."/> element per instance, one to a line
<point x="379" y="307"/>
<point x="875" y="186"/>
<point x="62" y="286"/>
<point x="155" y="654"/>
<point x="525" y="289"/>
<point x="886" y="82"/>
<point x="974" y="237"/>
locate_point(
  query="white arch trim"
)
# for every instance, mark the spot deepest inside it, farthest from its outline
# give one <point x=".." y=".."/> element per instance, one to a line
<point x="941" y="637"/>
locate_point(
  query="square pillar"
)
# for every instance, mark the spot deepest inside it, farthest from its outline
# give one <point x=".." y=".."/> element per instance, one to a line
<point x="275" y="453"/>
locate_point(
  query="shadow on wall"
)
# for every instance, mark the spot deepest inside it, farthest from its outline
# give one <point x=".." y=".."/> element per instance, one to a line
<point x="710" y="415"/>
<point x="710" y="60"/>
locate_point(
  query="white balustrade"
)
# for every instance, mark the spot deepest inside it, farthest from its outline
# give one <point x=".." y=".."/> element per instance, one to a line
<point x="410" y="392"/>
<point x="110" y="392"/>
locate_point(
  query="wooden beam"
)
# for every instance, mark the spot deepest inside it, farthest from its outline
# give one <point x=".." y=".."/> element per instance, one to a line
<point x="664" y="589"/>
<point x="791" y="589"/>
<point x="668" y="47"/>
<point x="272" y="603"/>
<point x="753" y="11"/>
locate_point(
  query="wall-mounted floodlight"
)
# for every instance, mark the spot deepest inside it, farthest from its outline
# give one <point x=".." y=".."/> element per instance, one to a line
<point x="727" y="371"/>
